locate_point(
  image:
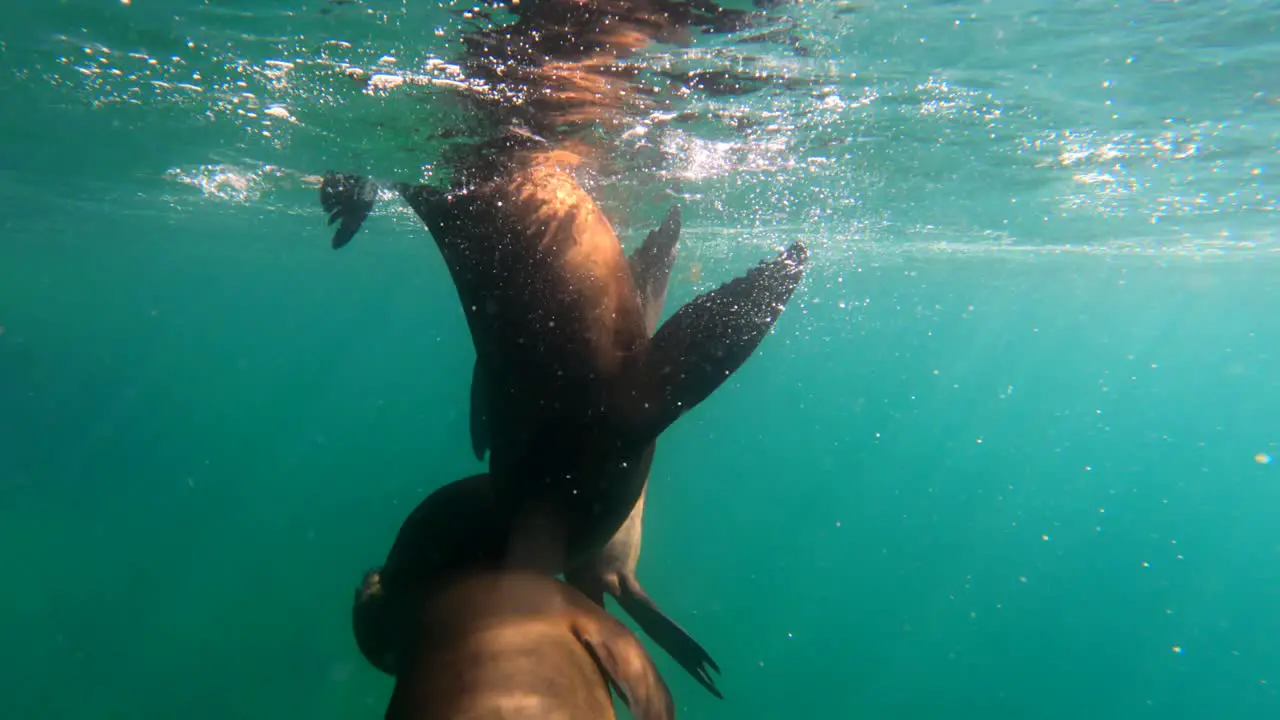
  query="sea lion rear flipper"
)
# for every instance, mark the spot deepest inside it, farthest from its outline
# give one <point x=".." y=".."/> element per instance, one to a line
<point x="623" y="659"/>
<point x="672" y="638"/>
<point x="348" y="198"/>
<point x="651" y="267"/>
<point x="479" y="412"/>
<point x="709" y="338"/>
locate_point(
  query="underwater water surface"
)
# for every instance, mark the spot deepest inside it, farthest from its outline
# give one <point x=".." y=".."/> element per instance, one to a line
<point x="1008" y="453"/>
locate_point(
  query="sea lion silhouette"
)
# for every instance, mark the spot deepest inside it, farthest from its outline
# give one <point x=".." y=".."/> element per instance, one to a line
<point x="578" y="384"/>
<point x="565" y="399"/>
<point x="523" y="646"/>
<point x="578" y="389"/>
<point x="612" y="569"/>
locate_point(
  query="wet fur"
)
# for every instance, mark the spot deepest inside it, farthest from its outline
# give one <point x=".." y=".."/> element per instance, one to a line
<point x="578" y="389"/>
<point x="470" y="509"/>
<point x="612" y="570"/>
<point x="545" y="287"/>
<point x="523" y="646"/>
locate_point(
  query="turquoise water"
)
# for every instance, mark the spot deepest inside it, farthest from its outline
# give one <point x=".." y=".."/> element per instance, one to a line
<point x="1005" y="456"/>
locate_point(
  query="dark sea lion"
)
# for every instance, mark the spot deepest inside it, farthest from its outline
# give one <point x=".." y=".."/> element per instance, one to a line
<point x="465" y="523"/>
<point x="578" y="390"/>
<point x="578" y="387"/>
<point x="348" y="199"/>
<point x="612" y="570"/>
<point x="523" y="646"/>
<point x="562" y="69"/>
<point x="748" y="305"/>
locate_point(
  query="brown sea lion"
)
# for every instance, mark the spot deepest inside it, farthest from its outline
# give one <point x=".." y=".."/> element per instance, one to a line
<point x="612" y="570"/>
<point x="578" y="390"/>
<point x="468" y="509"/>
<point x="458" y="529"/>
<point x="578" y="386"/>
<point x="523" y="646"/>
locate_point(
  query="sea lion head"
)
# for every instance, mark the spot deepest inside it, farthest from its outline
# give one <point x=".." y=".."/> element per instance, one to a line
<point x="457" y="529"/>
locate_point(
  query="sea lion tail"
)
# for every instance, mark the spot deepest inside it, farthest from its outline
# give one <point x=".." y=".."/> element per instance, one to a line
<point x="672" y="638"/>
<point x="709" y="338"/>
<point x="349" y="199"/>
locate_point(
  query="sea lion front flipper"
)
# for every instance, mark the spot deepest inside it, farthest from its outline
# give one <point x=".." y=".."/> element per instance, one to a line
<point x="348" y="198"/>
<point x="651" y="267"/>
<point x="672" y="638"/>
<point x="709" y="338"/>
<point x="623" y="659"/>
<point x="479" y="412"/>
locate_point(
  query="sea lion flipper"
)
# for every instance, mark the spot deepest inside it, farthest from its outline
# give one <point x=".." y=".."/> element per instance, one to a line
<point x="623" y="659"/>
<point x="709" y="338"/>
<point x="672" y="638"/>
<point x="651" y="267"/>
<point x="349" y="199"/>
<point x="479" y="412"/>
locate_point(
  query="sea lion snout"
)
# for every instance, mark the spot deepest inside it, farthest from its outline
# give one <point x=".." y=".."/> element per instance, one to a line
<point x="370" y="616"/>
<point x="370" y="585"/>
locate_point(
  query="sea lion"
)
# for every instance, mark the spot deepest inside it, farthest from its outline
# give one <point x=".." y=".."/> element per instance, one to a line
<point x="578" y="390"/>
<point x="523" y="646"/>
<point x="578" y="387"/>
<point x="466" y="523"/>
<point x="612" y="570"/>
<point x="457" y="529"/>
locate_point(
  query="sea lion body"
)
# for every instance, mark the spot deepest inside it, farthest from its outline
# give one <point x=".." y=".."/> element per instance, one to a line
<point x="465" y="524"/>
<point x="523" y="646"/>
<point x="575" y="383"/>
<point x="559" y="334"/>
<point x="619" y="557"/>
<point x="577" y="388"/>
